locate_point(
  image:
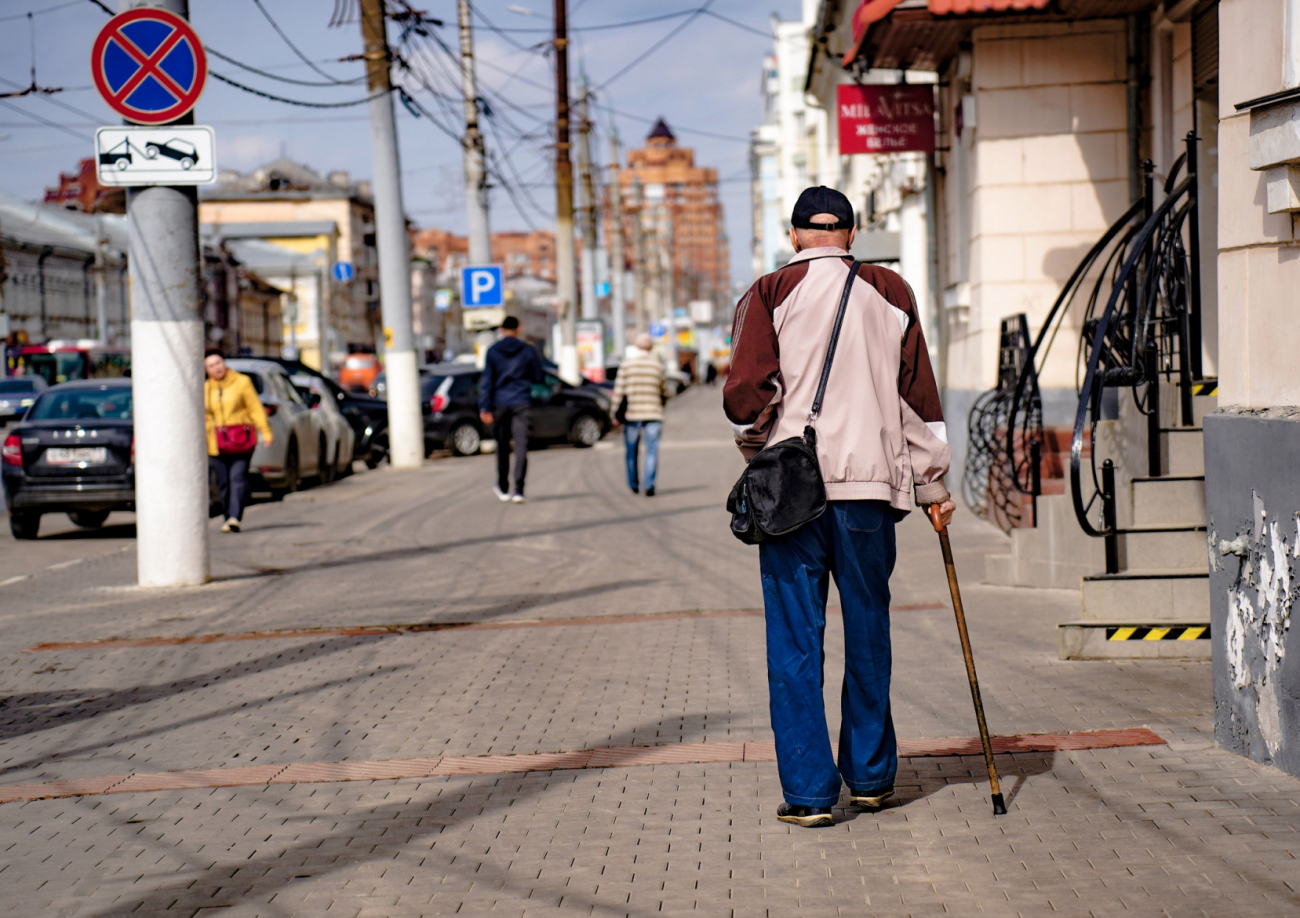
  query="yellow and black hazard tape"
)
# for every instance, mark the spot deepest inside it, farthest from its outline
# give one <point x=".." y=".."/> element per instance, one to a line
<point x="1206" y="388"/>
<point x="1172" y="633"/>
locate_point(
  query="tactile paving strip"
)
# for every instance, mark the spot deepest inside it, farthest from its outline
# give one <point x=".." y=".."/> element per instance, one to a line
<point x="603" y="757"/>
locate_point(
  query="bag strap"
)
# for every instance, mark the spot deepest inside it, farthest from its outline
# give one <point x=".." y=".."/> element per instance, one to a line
<point x="835" y="340"/>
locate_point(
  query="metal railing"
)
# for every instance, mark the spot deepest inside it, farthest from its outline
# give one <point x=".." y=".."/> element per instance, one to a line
<point x="1146" y="336"/>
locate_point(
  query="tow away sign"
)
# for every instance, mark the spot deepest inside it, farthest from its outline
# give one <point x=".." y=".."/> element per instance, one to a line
<point x="177" y="155"/>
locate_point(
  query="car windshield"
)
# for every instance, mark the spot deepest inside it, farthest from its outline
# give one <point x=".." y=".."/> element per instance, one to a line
<point x="83" y="404"/>
<point x="9" y="386"/>
<point x="430" y="384"/>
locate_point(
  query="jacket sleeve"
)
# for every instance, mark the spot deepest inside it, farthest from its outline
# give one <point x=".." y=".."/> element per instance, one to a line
<point x="253" y="405"/>
<point x="536" y="373"/>
<point x="487" y="387"/>
<point x="922" y="409"/>
<point x="753" y="388"/>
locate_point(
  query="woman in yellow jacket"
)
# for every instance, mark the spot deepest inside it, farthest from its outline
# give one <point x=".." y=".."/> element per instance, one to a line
<point x="233" y="410"/>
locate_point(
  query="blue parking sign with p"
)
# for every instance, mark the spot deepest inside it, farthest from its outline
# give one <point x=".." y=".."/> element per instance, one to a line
<point x="481" y="287"/>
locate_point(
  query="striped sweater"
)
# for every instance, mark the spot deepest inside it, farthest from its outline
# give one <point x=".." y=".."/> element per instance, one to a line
<point x="641" y="380"/>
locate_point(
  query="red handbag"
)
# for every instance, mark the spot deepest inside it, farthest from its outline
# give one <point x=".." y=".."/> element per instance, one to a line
<point x="237" y="439"/>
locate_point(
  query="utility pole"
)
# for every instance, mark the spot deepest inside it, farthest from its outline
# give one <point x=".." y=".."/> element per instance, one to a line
<point x="101" y="281"/>
<point x="565" y="269"/>
<point x="171" y="457"/>
<point x="405" y="425"/>
<point x="668" y="282"/>
<point x="616" y="257"/>
<point x="476" y="187"/>
<point x="639" y="277"/>
<point x="588" y="209"/>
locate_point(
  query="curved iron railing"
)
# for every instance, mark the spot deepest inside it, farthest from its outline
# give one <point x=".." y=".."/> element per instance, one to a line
<point x="1149" y="329"/>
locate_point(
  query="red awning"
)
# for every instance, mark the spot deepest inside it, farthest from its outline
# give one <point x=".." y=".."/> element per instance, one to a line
<point x="872" y="11"/>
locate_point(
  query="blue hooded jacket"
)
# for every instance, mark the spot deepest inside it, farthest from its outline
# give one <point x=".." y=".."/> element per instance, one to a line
<point x="511" y="368"/>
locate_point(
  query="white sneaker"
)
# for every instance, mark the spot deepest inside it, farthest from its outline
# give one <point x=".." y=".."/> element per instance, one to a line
<point x="517" y="498"/>
<point x="501" y="495"/>
<point x="231" y="526"/>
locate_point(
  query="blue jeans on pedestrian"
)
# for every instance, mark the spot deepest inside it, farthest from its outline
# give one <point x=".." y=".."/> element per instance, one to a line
<point x="853" y="541"/>
<point x="232" y="481"/>
<point x="632" y="438"/>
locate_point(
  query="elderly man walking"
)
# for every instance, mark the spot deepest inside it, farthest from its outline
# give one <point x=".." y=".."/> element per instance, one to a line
<point x="881" y="442"/>
<point x="640" y="380"/>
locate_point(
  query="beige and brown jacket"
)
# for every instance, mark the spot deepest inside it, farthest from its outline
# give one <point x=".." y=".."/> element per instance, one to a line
<point x="881" y="434"/>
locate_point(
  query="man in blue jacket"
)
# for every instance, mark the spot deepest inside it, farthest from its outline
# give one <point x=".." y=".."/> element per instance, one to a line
<point x="504" y="404"/>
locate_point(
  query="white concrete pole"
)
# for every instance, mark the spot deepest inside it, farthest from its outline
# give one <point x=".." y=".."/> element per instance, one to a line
<point x="476" y="188"/>
<point x="639" y="276"/>
<point x="171" y="453"/>
<point x="405" y="424"/>
<point x="616" y="256"/>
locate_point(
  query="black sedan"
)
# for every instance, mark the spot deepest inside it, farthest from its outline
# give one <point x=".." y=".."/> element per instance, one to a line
<point x="580" y="415"/>
<point x="365" y="414"/>
<point x="73" y="453"/>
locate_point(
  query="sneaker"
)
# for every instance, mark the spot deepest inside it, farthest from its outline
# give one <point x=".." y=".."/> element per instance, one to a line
<point x="636" y="489"/>
<point x="230" y="526"/>
<point x="810" y="817"/>
<point x="649" y="492"/>
<point x="872" y="800"/>
<point x="501" y="495"/>
<point x="517" y="498"/>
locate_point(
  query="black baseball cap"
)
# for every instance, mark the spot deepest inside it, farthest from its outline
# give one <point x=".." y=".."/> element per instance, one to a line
<point x="822" y="200"/>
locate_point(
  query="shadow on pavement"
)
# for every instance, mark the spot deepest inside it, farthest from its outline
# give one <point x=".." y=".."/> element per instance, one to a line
<point x="111" y="531"/>
<point x="418" y="551"/>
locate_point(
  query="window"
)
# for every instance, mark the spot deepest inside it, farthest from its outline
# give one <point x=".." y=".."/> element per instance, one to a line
<point x="83" y="404"/>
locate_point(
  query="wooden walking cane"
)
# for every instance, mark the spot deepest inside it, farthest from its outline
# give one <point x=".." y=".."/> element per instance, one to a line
<point x="999" y="805"/>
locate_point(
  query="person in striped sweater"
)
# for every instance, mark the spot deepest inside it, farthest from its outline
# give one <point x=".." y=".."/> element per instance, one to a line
<point x="640" y="380"/>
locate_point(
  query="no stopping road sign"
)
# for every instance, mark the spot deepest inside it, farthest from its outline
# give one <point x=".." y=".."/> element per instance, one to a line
<point x="149" y="65"/>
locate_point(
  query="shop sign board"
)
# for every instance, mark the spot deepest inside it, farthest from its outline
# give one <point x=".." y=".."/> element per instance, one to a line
<point x="885" y="118"/>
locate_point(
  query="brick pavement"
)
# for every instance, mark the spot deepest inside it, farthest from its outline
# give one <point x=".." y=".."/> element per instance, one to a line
<point x="1183" y="829"/>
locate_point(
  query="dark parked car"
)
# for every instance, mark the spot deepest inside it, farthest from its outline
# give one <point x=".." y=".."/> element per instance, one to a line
<point x="73" y="453"/>
<point x="17" y="394"/>
<point x="365" y="414"/>
<point x="561" y="412"/>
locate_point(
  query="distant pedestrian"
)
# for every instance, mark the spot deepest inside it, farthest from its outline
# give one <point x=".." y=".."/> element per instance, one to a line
<point x="880" y="441"/>
<point x="233" y="412"/>
<point x="640" y="380"/>
<point x="505" y="404"/>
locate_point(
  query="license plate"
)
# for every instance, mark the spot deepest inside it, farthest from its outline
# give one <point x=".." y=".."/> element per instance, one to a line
<point x="81" y="455"/>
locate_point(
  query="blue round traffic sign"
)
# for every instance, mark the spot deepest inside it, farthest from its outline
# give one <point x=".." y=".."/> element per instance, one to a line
<point x="343" y="271"/>
<point x="149" y="65"/>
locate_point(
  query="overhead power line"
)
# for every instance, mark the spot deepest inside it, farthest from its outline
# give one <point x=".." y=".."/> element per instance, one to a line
<point x="659" y="44"/>
<point x="283" y="79"/>
<point x="294" y="48"/>
<point x="48" y="9"/>
<point x="274" y="98"/>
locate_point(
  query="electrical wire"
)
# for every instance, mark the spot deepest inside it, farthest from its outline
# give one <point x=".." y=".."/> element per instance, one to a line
<point x="271" y="76"/>
<point x="659" y="44"/>
<point x="49" y="9"/>
<point x="535" y="49"/>
<point x="274" y="98"/>
<point x="294" y="48"/>
<point x="46" y="121"/>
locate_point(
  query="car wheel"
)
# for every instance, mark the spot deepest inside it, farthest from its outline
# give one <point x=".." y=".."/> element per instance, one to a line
<point x="88" y="519"/>
<point x="187" y="163"/>
<point x="584" y="431"/>
<point x="151" y="151"/>
<point x="378" y="451"/>
<point x="290" y="473"/>
<point x="24" y="525"/>
<point x="122" y="164"/>
<point x="327" y="467"/>
<point x="466" y="440"/>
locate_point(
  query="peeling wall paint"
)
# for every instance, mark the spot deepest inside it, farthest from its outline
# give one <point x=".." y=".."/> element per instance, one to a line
<point x="1253" y="513"/>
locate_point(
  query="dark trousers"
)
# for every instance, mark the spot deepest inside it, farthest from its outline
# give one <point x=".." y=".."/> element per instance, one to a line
<point x="853" y="541"/>
<point x="232" y="480"/>
<point x="512" y="422"/>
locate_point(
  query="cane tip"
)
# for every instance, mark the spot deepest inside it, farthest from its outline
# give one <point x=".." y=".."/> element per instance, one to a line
<point x="999" y="805"/>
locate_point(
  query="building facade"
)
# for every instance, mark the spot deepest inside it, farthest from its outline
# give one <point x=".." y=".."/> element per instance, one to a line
<point x="317" y="222"/>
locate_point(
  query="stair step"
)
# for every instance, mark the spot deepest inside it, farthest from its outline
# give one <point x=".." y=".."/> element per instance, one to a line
<point x="1147" y="596"/>
<point x="1169" y="501"/>
<point x="1098" y="640"/>
<point x="1166" y="549"/>
<point x="1182" y="451"/>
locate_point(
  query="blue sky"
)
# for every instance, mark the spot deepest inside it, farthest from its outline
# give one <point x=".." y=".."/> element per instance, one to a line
<point x="704" y="80"/>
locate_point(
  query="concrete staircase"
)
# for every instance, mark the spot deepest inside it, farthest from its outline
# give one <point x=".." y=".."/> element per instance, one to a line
<point x="1158" y="605"/>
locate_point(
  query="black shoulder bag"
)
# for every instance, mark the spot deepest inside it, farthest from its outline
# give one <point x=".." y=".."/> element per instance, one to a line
<point x="781" y="490"/>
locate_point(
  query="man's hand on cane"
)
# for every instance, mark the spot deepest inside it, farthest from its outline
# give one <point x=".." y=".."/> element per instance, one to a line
<point x="940" y="514"/>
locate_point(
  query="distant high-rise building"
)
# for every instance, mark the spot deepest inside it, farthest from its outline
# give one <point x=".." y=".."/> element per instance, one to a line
<point x="680" y="215"/>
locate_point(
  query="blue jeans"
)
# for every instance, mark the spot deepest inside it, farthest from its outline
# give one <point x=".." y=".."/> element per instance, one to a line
<point x="232" y="481"/>
<point x="631" y="438"/>
<point x="854" y="542"/>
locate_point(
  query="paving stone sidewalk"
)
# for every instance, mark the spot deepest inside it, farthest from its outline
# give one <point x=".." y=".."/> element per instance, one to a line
<point x="1180" y="829"/>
